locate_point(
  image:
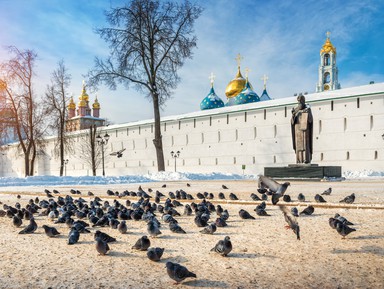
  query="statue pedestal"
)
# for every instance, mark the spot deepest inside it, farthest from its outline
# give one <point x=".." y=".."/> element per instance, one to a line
<point x="303" y="171"/>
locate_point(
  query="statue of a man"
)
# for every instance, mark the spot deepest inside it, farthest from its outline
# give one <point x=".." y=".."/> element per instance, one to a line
<point x="302" y="131"/>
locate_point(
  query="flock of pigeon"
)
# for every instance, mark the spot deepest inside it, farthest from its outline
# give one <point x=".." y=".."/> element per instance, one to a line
<point x="80" y="215"/>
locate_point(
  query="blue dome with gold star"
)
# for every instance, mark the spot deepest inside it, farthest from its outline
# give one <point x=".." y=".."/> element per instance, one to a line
<point x="211" y="101"/>
<point x="247" y="95"/>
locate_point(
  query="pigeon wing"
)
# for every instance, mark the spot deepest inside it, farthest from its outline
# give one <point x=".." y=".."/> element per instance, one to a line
<point x="265" y="182"/>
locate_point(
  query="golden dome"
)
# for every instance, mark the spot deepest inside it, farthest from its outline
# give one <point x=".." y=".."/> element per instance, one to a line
<point x="236" y="85"/>
<point x="96" y="104"/>
<point x="84" y="95"/>
<point x="71" y="104"/>
<point x="82" y="103"/>
<point x="328" y="46"/>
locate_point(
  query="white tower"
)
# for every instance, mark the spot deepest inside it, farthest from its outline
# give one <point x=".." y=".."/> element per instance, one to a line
<point x="328" y="72"/>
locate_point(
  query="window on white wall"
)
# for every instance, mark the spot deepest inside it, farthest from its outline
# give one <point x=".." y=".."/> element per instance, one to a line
<point x="320" y="126"/>
<point x="371" y="122"/>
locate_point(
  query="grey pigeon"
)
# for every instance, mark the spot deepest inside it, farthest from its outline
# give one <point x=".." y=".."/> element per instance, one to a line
<point x="233" y="197"/>
<point x="301" y="197"/>
<point x="122" y="227"/>
<point x="327" y="192"/>
<point x="178" y="272"/>
<point x="291" y="221"/>
<point x="343" y="220"/>
<point x="153" y="229"/>
<point x="220" y="222"/>
<point x="308" y="211"/>
<point x="276" y="188"/>
<point x="223" y="247"/>
<point x="32" y="226"/>
<point x="17" y="222"/>
<point x="319" y="199"/>
<point x="210" y="229"/>
<point x="221" y="196"/>
<point x="255" y="197"/>
<point x="104" y="236"/>
<point x="245" y="215"/>
<point x="348" y="199"/>
<point x="287" y="198"/>
<point x="224" y="187"/>
<point x="102" y="246"/>
<point x="295" y="211"/>
<point x="343" y="229"/>
<point x="155" y="253"/>
<point x="260" y="210"/>
<point x="175" y="228"/>
<point x="50" y="231"/>
<point x="73" y="236"/>
<point x="142" y="244"/>
<point x="333" y="222"/>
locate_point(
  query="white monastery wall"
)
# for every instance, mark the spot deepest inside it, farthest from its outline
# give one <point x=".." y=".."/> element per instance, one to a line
<point x="348" y="131"/>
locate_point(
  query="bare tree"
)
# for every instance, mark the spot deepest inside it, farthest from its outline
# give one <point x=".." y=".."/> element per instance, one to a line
<point x="16" y="82"/>
<point x="91" y="152"/>
<point x="56" y="102"/>
<point x="149" y="41"/>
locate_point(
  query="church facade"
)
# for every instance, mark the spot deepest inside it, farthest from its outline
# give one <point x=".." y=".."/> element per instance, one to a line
<point x="348" y="131"/>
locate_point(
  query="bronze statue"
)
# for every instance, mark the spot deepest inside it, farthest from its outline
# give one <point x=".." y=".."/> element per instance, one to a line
<point x="302" y="131"/>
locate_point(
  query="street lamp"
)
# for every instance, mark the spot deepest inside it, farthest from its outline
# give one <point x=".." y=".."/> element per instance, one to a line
<point x="175" y="155"/>
<point x="102" y="141"/>
<point x="65" y="166"/>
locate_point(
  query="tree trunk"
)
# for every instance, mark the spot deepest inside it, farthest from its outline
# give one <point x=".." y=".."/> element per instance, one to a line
<point x="157" y="141"/>
<point x="61" y="139"/>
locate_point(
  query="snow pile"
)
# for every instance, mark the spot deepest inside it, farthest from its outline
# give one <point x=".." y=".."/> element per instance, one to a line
<point x="362" y="174"/>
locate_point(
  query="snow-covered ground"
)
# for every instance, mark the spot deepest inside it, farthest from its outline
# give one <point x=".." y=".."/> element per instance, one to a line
<point x="154" y="177"/>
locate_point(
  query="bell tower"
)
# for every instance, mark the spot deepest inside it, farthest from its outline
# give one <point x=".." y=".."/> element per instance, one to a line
<point x="328" y="72"/>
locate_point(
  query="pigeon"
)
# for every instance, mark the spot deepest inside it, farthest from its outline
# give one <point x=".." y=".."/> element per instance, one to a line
<point x="307" y="211"/>
<point x="333" y="222"/>
<point x="301" y="197"/>
<point x="102" y="246"/>
<point x="210" y="229"/>
<point x="105" y="237"/>
<point x="343" y="229"/>
<point x="295" y="212"/>
<point x="178" y="272"/>
<point x="255" y="197"/>
<point x="343" y="220"/>
<point x="224" y="187"/>
<point x="348" y="199"/>
<point x="18" y="196"/>
<point x="233" y="197"/>
<point x="245" y="215"/>
<point x="260" y="210"/>
<point x="291" y="220"/>
<point x="327" y="192"/>
<point x="175" y="228"/>
<point x="220" y="222"/>
<point x="188" y="185"/>
<point x="164" y="186"/>
<point x="142" y="244"/>
<point x="32" y="226"/>
<point x="50" y="231"/>
<point x="221" y="196"/>
<point x="153" y="229"/>
<point x="319" y="199"/>
<point x="122" y="227"/>
<point x="155" y="253"/>
<point x="223" y="247"/>
<point x="276" y="188"/>
<point x="287" y="198"/>
<point x="187" y="210"/>
<point x="17" y="222"/>
<point x="200" y="221"/>
<point x="73" y="236"/>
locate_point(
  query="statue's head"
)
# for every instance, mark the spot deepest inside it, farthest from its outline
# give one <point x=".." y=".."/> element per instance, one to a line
<point x="301" y="98"/>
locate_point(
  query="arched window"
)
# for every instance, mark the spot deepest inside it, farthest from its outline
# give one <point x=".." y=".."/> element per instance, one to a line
<point x="327" y="77"/>
<point x="326" y="59"/>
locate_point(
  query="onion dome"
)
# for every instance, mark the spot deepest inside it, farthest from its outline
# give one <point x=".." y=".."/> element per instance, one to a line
<point x="264" y="95"/>
<point x="247" y="95"/>
<point x="211" y="101"/>
<point x="236" y="85"/>
<point x="328" y="46"/>
<point x="84" y="95"/>
<point x="71" y="104"/>
<point x="96" y="104"/>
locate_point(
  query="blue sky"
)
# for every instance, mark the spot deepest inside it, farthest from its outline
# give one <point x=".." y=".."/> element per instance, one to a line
<point x="279" y="38"/>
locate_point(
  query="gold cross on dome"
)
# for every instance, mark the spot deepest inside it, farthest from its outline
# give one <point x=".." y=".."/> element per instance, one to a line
<point x="212" y="78"/>
<point x="264" y="78"/>
<point x="247" y="70"/>
<point x="239" y="58"/>
<point x="328" y="34"/>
